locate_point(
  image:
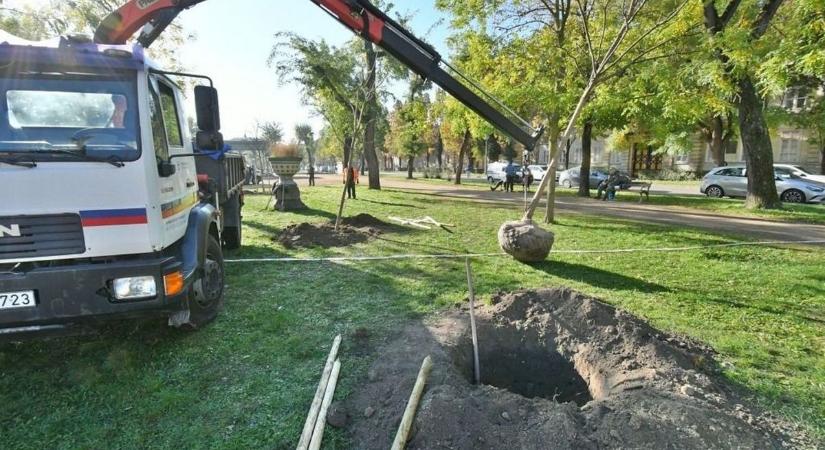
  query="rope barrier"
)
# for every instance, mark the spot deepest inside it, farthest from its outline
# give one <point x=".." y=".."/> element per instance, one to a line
<point x="488" y="255"/>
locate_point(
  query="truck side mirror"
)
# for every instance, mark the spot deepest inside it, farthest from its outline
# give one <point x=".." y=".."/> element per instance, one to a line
<point x="166" y="169"/>
<point x="208" y="112"/>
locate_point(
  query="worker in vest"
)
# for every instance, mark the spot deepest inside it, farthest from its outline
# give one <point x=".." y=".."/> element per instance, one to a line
<point x="350" y="180"/>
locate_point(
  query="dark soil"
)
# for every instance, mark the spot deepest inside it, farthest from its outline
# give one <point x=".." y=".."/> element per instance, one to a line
<point x="353" y="230"/>
<point x="559" y="370"/>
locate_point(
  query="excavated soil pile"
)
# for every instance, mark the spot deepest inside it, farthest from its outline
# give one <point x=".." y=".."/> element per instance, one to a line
<point x="559" y="370"/>
<point x="353" y="230"/>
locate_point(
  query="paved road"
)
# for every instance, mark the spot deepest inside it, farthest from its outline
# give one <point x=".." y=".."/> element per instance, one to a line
<point x="656" y="214"/>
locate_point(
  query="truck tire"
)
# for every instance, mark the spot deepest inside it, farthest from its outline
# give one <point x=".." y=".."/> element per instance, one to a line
<point x="206" y="294"/>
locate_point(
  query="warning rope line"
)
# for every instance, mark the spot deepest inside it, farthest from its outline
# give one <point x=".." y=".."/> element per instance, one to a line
<point x="488" y="255"/>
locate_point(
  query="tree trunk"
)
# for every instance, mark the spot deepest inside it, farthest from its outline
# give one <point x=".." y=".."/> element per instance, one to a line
<point x="371" y="119"/>
<point x="567" y="146"/>
<point x="822" y="161"/>
<point x="439" y="151"/>
<point x="717" y="141"/>
<point x="584" y="173"/>
<point x="410" y="162"/>
<point x="756" y="142"/>
<point x="550" y="210"/>
<point x="347" y="156"/>
<point x="465" y="146"/>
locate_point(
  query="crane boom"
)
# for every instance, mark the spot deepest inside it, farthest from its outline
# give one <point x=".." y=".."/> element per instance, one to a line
<point x="363" y="18"/>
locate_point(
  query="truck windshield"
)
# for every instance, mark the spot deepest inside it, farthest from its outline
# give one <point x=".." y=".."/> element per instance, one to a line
<point x="51" y="117"/>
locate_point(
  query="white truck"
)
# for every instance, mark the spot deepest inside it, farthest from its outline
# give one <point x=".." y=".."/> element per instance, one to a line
<point x="106" y="208"/>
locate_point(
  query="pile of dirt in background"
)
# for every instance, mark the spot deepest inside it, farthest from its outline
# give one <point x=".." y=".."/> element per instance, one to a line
<point x="559" y="370"/>
<point x="352" y="230"/>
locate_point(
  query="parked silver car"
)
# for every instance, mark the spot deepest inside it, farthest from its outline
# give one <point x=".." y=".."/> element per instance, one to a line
<point x="732" y="181"/>
<point x="788" y="170"/>
<point x="571" y="177"/>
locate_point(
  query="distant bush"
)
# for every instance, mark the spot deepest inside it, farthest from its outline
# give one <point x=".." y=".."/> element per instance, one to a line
<point x="433" y="172"/>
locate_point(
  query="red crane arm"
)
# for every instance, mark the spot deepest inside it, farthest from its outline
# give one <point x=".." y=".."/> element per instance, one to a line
<point x="360" y="16"/>
<point x="119" y="26"/>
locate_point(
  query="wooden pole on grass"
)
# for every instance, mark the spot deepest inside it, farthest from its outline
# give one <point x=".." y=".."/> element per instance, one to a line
<point x="320" y="424"/>
<point x="403" y="433"/>
<point x="476" y="365"/>
<point x="312" y="417"/>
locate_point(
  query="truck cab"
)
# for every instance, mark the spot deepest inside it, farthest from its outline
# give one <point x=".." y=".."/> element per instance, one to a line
<point x="102" y="212"/>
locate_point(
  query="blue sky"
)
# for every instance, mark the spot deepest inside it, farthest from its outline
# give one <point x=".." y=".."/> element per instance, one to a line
<point x="235" y="53"/>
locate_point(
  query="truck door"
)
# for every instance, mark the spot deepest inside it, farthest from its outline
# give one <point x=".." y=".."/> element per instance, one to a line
<point x="177" y="191"/>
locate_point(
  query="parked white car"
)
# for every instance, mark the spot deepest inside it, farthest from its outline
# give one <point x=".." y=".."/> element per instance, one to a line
<point x="732" y="181"/>
<point x="537" y="171"/>
<point x="495" y="172"/>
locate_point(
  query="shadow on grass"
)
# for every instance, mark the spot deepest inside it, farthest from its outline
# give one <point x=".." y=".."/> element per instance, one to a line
<point x="399" y="205"/>
<point x="785" y="311"/>
<point x="262" y="227"/>
<point x="598" y="277"/>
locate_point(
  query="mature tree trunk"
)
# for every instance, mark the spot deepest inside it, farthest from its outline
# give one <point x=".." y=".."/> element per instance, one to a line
<point x="371" y="119"/>
<point x="756" y="142"/>
<point x="567" y="146"/>
<point x="347" y="150"/>
<point x="584" y="173"/>
<point x="717" y="141"/>
<point x="822" y="161"/>
<point x="465" y="147"/>
<point x="410" y="162"/>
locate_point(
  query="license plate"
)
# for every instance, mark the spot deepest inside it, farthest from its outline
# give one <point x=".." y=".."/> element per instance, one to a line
<point x="13" y="300"/>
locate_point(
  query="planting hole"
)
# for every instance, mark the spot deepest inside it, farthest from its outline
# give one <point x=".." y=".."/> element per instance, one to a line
<point x="518" y="362"/>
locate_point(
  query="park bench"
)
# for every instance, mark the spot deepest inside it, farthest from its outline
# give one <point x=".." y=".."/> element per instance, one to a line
<point x="644" y="189"/>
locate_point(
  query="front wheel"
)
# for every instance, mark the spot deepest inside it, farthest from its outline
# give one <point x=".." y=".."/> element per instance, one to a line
<point x="206" y="294"/>
<point x="567" y="183"/>
<point x="793" y="196"/>
<point x="715" y="192"/>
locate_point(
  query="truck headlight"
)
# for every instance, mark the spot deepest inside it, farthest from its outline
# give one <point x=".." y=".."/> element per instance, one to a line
<point x="135" y="288"/>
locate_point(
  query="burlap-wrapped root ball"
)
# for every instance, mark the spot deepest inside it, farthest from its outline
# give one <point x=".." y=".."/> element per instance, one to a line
<point x="525" y="241"/>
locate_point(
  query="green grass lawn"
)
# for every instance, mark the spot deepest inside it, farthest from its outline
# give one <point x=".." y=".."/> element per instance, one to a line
<point x="247" y="380"/>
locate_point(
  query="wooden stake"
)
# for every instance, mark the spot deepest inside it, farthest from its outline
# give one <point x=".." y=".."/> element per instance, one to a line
<point x="320" y="424"/>
<point x="476" y="365"/>
<point x="403" y="434"/>
<point x="309" y="425"/>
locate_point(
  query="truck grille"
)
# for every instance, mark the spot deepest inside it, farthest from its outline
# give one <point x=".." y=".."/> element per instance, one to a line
<point x="36" y="236"/>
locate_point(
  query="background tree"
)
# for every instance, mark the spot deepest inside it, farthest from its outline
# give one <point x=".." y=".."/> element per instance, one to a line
<point x="305" y="135"/>
<point x="410" y="124"/>
<point x="559" y="49"/>
<point x="272" y="132"/>
<point x="735" y="31"/>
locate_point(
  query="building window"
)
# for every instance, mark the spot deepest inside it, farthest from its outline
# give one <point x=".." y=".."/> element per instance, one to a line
<point x="598" y="151"/>
<point x="790" y="150"/>
<point x="615" y="159"/>
<point x="683" y="158"/>
<point x="795" y="98"/>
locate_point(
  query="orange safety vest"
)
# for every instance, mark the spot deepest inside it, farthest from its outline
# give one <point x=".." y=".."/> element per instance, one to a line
<point x="354" y="173"/>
